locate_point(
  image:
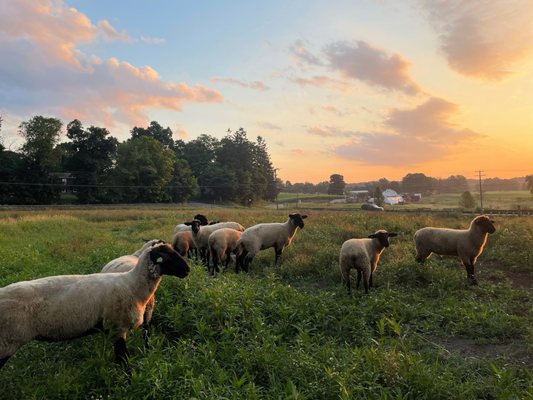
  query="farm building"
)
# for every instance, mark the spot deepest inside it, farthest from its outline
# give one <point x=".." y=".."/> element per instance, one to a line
<point x="392" y="197"/>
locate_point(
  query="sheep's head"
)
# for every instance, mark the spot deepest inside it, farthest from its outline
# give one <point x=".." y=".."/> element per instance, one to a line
<point x="202" y="218"/>
<point x="383" y="237"/>
<point x="298" y="219"/>
<point x="195" y="225"/>
<point x="485" y="223"/>
<point x="170" y="262"/>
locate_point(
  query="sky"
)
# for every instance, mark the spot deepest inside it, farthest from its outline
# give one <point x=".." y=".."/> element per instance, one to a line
<point x="365" y="89"/>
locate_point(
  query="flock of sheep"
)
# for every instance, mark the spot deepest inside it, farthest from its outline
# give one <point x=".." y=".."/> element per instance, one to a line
<point x="121" y="296"/>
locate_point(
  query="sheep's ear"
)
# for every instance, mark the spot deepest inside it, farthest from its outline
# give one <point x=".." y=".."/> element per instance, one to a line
<point x="304" y="216"/>
<point x="392" y="234"/>
<point x="187" y="223"/>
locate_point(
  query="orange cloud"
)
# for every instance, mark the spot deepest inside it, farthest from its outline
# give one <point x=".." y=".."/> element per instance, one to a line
<point x="111" y="34"/>
<point x="413" y="137"/>
<point x="483" y="39"/>
<point x="40" y="40"/>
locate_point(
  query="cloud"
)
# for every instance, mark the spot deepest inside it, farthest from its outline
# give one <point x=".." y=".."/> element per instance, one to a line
<point x="329" y="131"/>
<point x="356" y="60"/>
<point x="180" y="132"/>
<point x="482" y="39"/>
<point x="373" y="66"/>
<point x="321" y="81"/>
<point x="297" y="152"/>
<point x="111" y="34"/>
<point x="256" y="85"/>
<point x="302" y="55"/>
<point x="48" y="73"/>
<point x="268" y="125"/>
<point x="152" y="40"/>
<point x="411" y="137"/>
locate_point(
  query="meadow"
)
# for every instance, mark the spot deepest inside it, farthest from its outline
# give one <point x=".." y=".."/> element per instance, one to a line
<point x="290" y="332"/>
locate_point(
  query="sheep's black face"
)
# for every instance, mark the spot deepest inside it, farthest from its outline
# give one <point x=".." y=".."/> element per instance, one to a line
<point x="202" y="218"/>
<point x="486" y="224"/>
<point x="383" y="237"/>
<point x="298" y="220"/>
<point x="195" y="225"/>
<point x="170" y="261"/>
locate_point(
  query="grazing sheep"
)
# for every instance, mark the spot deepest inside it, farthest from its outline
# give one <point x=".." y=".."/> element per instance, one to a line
<point x="201" y="235"/>
<point x="187" y="225"/>
<point x="467" y="244"/>
<point x="183" y="243"/>
<point x="127" y="263"/>
<point x="70" y="306"/>
<point x="363" y="255"/>
<point x="266" y="235"/>
<point x="222" y="243"/>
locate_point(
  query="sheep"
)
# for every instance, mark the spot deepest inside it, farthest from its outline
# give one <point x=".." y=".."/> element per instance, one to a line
<point x="70" y="306"/>
<point x="222" y="243"/>
<point x="187" y="226"/>
<point x="127" y="263"/>
<point x="183" y="243"/>
<point x="201" y="234"/>
<point x="363" y="255"/>
<point x="266" y="235"/>
<point x="467" y="244"/>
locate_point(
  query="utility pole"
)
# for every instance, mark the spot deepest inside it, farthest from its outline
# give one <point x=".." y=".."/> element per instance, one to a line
<point x="480" y="173"/>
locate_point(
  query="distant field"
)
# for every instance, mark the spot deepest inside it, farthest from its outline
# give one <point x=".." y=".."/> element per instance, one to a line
<point x="491" y="200"/>
<point x="289" y="332"/>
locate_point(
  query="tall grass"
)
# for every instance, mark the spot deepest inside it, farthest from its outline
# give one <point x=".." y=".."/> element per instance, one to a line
<point x="284" y="333"/>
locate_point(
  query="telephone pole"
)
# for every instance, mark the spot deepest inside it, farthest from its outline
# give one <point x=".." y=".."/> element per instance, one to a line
<point x="480" y="173"/>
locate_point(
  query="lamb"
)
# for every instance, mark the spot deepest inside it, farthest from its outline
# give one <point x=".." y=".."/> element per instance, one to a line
<point x="127" y="263"/>
<point x="363" y="255"/>
<point x="467" y="244"/>
<point x="70" y="306"/>
<point x="201" y="235"/>
<point x="266" y="235"/>
<point x="222" y="243"/>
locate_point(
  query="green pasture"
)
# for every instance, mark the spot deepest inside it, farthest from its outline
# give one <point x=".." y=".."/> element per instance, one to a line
<point x="291" y="332"/>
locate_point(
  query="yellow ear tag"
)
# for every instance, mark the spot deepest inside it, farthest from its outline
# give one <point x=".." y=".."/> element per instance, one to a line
<point x="159" y="260"/>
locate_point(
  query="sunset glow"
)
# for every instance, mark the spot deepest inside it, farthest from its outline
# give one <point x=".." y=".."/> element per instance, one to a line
<point x="366" y="89"/>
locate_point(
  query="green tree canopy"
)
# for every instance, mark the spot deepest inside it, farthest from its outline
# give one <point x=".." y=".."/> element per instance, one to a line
<point x="467" y="200"/>
<point x="336" y="184"/>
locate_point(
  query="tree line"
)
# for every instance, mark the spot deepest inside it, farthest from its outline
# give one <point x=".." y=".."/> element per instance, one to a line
<point x="150" y="166"/>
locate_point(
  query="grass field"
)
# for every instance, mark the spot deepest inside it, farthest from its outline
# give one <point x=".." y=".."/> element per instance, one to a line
<point x="500" y="200"/>
<point x="289" y="332"/>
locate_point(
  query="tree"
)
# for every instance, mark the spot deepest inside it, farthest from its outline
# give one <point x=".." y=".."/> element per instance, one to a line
<point x="336" y="184"/>
<point x="41" y="157"/>
<point x="378" y="196"/>
<point x="146" y="165"/>
<point x="90" y="156"/>
<point x="184" y="184"/>
<point x="467" y="200"/>
<point x="157" y="132"/>
<point x="417" y="182"/>
<point x="529" y="182"/>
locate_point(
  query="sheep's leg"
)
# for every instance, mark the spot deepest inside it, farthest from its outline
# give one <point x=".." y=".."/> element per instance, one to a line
<point x="148" y="311"/>
<point x="3" y="361"/>
<point x="358" y="283"/>
<point x="121" y="351"/>
<point x="366" y="278"/>
<point x="247" y="261"/>
<point x="470" y="273"/>
<point x="421" y="255"/>
<point x="370" y="279"/>
<point x="346" y="280"/>
<point x="216" y="260"/>
<point x="278" y="251"/>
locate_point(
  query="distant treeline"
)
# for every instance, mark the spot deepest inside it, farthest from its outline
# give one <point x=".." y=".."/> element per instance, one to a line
<point x="417" y="183"/>
<point x="94" y="167"/>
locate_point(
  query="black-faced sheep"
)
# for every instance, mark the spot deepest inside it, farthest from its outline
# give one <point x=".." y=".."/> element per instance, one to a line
<point x="363" y="255"/>
<point x="187" y="226"/>
<point x="263" y="236"/>
<point x="467" y="244"/>
<point x="70" y="306"/>
<point x="127" y="263"/>
<point x="222" y="243"/>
